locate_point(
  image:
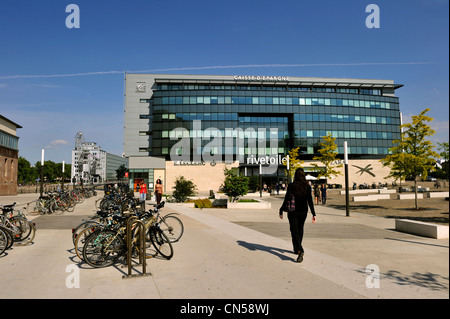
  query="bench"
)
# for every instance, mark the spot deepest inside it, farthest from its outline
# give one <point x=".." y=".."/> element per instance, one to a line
<point x="249" y="205"/>
<point x="421" y="228"/>
<point x="437" y="194"/>
<point x="359" y="191"/>
<point x="387" y="191"/>
<point x="370" y="197"/>
<point x="409" y="196"/>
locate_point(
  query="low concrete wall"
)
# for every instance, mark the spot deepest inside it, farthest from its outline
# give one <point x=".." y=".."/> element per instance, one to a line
<point x="387" y="191"/>
<point x="421" y="228"/>
<point x="437" y="194"/>
<point x="360" y="191"/>
<point x="192" y="205"/>
<point x="237" y="205"/>
<point x="409" y="196"/>
<point x="259" y="205"/>
<point x="374" y="197"/>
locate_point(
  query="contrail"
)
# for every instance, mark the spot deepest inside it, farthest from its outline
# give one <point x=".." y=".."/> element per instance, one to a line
<point x="24" y="76"/>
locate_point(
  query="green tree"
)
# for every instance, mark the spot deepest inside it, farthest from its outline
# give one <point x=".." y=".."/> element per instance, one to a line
<point x="51" y="171"/>
<point x="253" y="183"/>
<point x="234" y="185"/>
<point x="183" y="189"/>
<point x="443" y="172"/>
<point x="413" y="154"/>
<point x="25" y="173"/>
<point x="328" y="153"/>
<point x="120" y="172"/>
<point x="294" y="162"/>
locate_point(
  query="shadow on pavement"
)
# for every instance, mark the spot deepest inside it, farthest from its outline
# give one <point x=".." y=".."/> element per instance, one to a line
<point x="279" y="252"/>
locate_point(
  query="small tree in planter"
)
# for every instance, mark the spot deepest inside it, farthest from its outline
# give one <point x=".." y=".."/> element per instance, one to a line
<point x="235" y="185"/>
<point x="183" y="189"/>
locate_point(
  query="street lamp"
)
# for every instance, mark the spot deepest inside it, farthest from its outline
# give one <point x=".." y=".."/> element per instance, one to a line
<point x="62" y="179"/>
<point x="42" y="173"/>
<point x="260" y="180"/>
<point x="347" y="211"/>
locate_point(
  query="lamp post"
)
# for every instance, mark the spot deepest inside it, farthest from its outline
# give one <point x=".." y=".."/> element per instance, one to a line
<point x="62" y="177"/>
<point x="347" y="211"/>
<point x="260" y="180"/>
<point x="42" y="173"/>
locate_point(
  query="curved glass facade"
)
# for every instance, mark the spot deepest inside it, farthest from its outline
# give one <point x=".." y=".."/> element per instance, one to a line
<point x="368" y="120"/>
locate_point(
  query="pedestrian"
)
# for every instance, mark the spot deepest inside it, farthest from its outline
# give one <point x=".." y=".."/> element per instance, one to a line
<point x="316" y="194"/>
<point x="143" y="191"/>
<point x="158" y="191"/>
<point x="303" y="199"/>
<point x="323" y="191"/>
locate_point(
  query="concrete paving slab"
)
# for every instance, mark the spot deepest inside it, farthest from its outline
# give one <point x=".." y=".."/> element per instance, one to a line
<point x="239" y="255"/>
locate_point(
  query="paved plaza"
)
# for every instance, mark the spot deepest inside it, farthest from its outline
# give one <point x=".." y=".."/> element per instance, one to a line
<point x="237" y="254"/>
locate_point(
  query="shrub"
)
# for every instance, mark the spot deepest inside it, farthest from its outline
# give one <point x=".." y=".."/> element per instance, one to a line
<point x="183" y="189"/>
<point x="203" y="203"/>
<point x="250" y="200"/>
<point x="235" y="185"/>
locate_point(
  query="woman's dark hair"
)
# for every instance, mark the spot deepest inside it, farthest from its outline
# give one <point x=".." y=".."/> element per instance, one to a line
<point x="300" y="185"/>
<point x="158" y="181"/>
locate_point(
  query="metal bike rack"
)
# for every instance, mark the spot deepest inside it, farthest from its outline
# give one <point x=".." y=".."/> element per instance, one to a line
<point x="142" y="255"/>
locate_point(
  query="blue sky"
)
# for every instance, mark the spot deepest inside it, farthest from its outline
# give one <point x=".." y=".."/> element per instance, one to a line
<point x="56" y="81"/>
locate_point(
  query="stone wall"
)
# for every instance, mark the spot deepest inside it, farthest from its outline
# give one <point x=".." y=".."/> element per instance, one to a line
<point x="8" y="171"/>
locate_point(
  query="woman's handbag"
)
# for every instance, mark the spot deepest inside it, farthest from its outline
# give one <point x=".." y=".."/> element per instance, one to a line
<point x="290" y="204"/>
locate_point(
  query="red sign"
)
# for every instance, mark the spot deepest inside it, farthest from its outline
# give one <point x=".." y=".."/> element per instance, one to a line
<point x="126" y="174"/>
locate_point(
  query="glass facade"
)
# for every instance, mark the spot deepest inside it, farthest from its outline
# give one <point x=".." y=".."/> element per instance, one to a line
<point x="9" y="141"/>
<point x="364" y="117"/>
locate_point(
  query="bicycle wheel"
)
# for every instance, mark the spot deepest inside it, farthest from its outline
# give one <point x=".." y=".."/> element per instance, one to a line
<point x="160" y="242"/>
<point x="102" y="249"/>
<point x="172" y="227"/>
<point x="9" y="237"/>
<point x="70" y="204"/>
<point x="26" y="230"/>
<point x="81" y="238"/>
<point x="86" y="224"/>
<point x="40" y="207"/>
<point x="3" y="241"/>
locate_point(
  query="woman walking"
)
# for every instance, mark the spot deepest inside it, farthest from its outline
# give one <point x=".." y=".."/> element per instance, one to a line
<point x="301" y="191"/>
<point x="317" y="194"/>
<point x="158" y="191"/>
<point x="323" y="192"/>
<point x="143" y="191"/>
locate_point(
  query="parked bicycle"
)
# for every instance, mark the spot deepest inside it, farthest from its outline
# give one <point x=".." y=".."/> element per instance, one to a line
<point x="15" y="227"/>
<point x="107" y="243"/>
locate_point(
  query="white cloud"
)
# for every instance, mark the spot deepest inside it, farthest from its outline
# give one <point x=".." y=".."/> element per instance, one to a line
<point x="441" y="128"/>
<point x="57" y="143"/>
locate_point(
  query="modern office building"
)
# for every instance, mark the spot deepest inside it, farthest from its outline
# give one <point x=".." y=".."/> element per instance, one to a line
<point x="9" y="155"/>
<point x="196" y="125"/>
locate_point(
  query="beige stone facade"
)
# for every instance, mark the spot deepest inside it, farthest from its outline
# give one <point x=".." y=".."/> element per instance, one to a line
<point x="208" y="177"/>
<point x="360" y="172"/>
